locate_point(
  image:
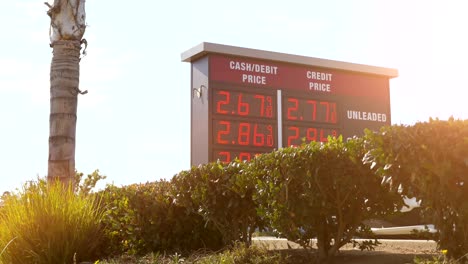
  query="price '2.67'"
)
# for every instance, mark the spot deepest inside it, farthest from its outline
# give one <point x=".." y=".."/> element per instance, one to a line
<point x="238" y="103"/>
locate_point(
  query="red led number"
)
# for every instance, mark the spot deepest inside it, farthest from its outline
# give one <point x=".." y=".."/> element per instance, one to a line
<point x="226" y="155"/>
<point x="244" y="134"/>
<point x="327" y="112"/>
<point x="314" y="108"/>
<point x="334" y="133"/>
<point x="269" y="108"/>
<point x="262" y="103"/>
<point x="244" y="156"/>
<point x="259" y="138"/>
<point x="270" y="136"/>
<point x="333" y="113"/>
<point x="293" y="108"/>
<point x="220" y="103"/>
<point x="242" y="107"/>
<point x="227" y="126"/>
<point x="265" y="110"/>
<point x="294" y="136"/>
<point x="311" y="134"/>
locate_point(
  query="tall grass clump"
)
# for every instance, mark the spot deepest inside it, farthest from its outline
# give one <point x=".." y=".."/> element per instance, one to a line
<point x="49" y="223"/>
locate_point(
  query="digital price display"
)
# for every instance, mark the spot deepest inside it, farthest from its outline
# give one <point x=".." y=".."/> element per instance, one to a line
<point x="244" y="133"/>
<point x="246" y="102"/>
<point x="236" y="103"/>
<point x="310" y="110"/>
<point x="244" y="122"/>
<point x="296" y="135"/>
<point x="306" y="119"/>
<point x="227" y="156"/>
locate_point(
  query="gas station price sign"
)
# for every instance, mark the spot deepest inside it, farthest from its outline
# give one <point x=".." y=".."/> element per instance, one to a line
<point x="245" y="102"/>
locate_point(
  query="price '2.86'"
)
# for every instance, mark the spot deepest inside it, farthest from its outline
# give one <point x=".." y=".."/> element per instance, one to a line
<point x="237" y="133"/>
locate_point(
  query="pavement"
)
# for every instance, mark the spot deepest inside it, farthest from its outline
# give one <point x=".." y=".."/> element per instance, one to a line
<point x="388" y="245"/>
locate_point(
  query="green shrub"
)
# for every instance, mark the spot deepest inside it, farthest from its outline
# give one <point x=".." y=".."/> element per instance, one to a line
<point x="143" y="218"/>
<point x="222" y="195"/>
<point x="429" y="161"/>
<point x="48" y="223"/>
<point x="319" y="190"/>
<point x="84" y="186"/>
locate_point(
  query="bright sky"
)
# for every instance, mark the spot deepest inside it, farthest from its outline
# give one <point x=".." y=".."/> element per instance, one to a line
<point x="134" y="124"/>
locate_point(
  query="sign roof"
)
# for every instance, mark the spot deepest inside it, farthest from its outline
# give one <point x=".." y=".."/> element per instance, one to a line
<point x="205" y="48"/>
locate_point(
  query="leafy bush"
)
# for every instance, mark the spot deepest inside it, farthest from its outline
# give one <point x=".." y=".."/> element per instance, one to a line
<point x="48" y="223"/>
<point x="429" y="161"/>
<point x="84" y="186"/>
<point x="222" y="195"/>
<point x="143" y="218"/>
<point x="320" y="190"/>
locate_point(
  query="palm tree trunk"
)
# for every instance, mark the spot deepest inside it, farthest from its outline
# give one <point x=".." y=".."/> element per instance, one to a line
<point x="67" y="30"/>
<point x="64" y="83"/>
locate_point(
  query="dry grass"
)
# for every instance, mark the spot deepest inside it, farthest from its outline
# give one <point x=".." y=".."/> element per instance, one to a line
<point x="47" y="223"/>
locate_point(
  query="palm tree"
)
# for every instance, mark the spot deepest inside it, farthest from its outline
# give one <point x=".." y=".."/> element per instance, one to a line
<point x="67" y="28"/>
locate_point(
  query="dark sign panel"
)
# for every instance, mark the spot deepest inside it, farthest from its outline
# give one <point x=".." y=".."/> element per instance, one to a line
<point x="257" y="104"/>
